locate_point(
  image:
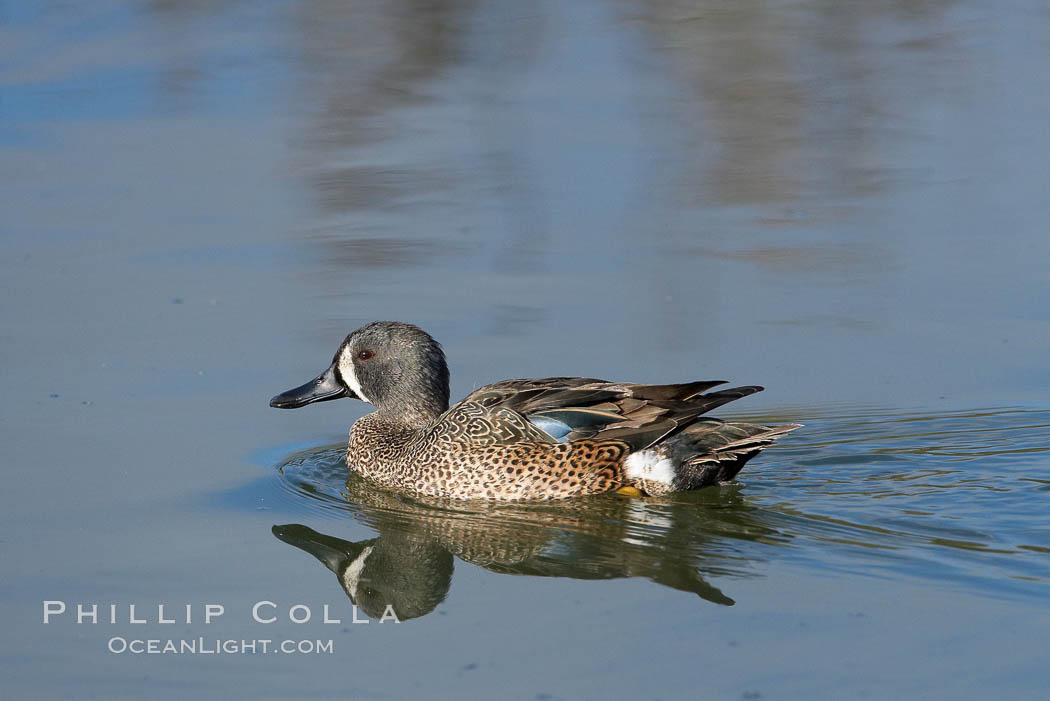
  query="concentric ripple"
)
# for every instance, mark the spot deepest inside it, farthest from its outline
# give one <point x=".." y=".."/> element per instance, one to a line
<point x="958" y="496"/>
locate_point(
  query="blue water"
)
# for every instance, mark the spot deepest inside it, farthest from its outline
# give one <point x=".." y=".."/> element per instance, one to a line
<point x="848" y="205"/>
<point x="951" y="499"/>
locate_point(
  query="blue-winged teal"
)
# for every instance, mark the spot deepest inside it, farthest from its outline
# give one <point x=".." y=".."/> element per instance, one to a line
<point x="524" y="439"/>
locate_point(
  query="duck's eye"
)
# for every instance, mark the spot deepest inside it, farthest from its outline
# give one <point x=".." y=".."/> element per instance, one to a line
<point x="365" y="354"/>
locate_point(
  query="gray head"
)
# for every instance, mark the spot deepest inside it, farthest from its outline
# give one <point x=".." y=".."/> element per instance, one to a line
<point x="397" y="367"/>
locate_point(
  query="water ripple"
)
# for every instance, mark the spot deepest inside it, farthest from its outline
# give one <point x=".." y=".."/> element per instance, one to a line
<point x="957" y="496"/>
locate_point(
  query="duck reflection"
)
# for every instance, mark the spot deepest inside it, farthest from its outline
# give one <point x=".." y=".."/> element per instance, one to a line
<point x="409" y="566"/>
<point x="406" y="573"/>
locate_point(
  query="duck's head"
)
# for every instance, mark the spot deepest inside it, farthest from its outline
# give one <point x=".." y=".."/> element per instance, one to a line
<point x="397" y="367"/>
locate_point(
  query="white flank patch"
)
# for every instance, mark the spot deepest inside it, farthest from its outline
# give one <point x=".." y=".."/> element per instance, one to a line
<point x="649" y="465"/>
<point x="346" y="367"/>
<point x="352" y="574"/>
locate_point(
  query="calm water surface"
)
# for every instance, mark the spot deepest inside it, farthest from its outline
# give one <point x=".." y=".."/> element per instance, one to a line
<point x="848" y="204"/>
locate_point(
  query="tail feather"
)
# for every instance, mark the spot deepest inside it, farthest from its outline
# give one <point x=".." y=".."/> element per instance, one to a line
<point x="707" y="452"/>
<point x="694" y="475"/>
<point x="711" y="454"/>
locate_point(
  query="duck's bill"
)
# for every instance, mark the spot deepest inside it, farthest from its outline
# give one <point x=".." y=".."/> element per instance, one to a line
<point x="322" y="388"/>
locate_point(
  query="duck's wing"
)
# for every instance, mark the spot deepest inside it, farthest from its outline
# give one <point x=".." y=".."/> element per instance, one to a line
<point x="563" y="409"/>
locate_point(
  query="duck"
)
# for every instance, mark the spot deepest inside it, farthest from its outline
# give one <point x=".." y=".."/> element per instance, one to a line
<point x="525" y="439"/>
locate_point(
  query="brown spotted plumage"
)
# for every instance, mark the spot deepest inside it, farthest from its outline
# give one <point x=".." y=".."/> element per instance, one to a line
<point x="525" y="439"/>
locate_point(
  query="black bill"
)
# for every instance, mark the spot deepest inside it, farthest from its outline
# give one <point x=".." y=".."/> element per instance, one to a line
<point x="322" y="388"/>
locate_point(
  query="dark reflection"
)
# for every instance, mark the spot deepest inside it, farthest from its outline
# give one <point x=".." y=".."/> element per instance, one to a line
<point x="862" y="490"/>
<point x="410" y="574"/>
<point x="409" y="565"/>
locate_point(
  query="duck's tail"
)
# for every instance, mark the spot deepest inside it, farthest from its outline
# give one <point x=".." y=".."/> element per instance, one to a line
<point x="706" y="452"/>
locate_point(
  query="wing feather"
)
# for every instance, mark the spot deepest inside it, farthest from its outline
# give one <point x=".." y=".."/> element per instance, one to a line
<point x="636" y="414"/>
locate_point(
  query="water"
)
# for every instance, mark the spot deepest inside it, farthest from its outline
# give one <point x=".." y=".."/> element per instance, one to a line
<point x="848" y="205"/>
<point x="946" y="498"/>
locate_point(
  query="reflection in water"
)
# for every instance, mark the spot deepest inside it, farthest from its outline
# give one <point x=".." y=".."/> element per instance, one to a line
<point x="956" y="496"/>
<point x="409" y="574"/>
<point x="765" y="172"/>
<point x="409" y="566"/>
<point x="850" y="197"/>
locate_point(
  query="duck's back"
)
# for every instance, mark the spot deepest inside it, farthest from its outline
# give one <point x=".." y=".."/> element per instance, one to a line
<point x="564" y="436"/>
